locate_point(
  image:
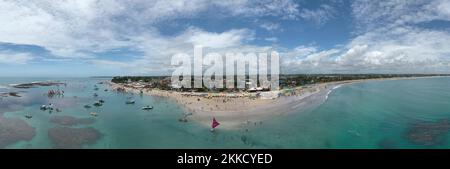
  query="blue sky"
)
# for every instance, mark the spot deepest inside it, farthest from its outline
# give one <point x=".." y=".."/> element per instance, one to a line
<point x="114" y="37"/>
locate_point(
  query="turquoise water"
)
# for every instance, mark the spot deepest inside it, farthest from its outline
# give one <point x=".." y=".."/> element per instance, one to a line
<point x="374" y="114"/>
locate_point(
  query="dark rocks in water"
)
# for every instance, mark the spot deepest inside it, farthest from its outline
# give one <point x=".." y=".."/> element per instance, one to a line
<point x="14" y="94"/>
<point x="13" y="130"/>
<point x="71" y="121"/>
<point x="428" y="133"/>
<point x="37" y="84"/>
<point x="66" y="137"/>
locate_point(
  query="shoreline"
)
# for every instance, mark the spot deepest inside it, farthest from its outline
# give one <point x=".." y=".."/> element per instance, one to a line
<point x="236" y="112"/>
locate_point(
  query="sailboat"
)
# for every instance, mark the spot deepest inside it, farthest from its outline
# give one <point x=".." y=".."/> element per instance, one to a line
<point x="214" y="124"/>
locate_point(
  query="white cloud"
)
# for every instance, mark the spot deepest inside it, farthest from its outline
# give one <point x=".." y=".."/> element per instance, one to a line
<point x="159" y="49"/>
<point x="388" y="40"/>
<point x="409" y="50"/>
<point x="234" y="37"/>
<point x="76" y="29"/>
<point x="269" y="26"/>
<point x="370" y="14"/>
<point x="14" y="58"/>
<point x="320" y="15"/>
<point x="271" y="39"/>
<point x="286" y="9"/>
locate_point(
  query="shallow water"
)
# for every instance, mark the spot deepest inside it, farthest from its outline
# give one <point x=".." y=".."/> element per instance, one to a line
<point x="375" y="114"/>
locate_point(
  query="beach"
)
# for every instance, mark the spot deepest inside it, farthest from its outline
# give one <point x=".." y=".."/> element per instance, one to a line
<point x="235" y="112"/>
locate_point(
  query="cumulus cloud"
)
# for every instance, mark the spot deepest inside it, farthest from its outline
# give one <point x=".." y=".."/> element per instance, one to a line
<point x="388" y="39"/>
<point x="7" y="57"/>
<point x="387" y="35"/>
<point x="234" y="37"/>
<point x="79" y="29"/>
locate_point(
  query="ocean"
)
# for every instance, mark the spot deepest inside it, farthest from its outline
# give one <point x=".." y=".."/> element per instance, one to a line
<point x="411" y="113"/>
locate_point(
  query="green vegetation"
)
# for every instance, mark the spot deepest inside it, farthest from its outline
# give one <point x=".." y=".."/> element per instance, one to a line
<point x="286" y="81"/>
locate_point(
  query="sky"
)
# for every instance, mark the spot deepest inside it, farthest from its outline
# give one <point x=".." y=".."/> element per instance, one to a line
<point x="139" y="37"/>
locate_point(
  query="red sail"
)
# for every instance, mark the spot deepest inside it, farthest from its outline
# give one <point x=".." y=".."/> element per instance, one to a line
<point x="215" y="123"/>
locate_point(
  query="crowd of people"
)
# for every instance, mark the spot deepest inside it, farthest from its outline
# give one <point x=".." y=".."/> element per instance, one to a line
<point x="52" y="93"/>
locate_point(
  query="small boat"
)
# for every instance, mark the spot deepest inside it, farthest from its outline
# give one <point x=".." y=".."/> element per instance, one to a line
<point x="147" y="107"/>
<point x="130" y="102"/>
<point x="87" y="106"/>
<point x="214" y="124"/>
<point x="101" y="101"/>
<point x="94" y="114"/>
<point x="28" y="116"/>
<point x="50" y="106"/>
<point x="96" y="88"/>
<point x="184" y="119"/>
<point x="98" y="104"/>
<point x="44" y="107"/>
<point x="106" y="90"/>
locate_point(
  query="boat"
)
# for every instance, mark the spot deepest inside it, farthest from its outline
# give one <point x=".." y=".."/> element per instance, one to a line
<point x="87" y="106"/>
<point x="101" y="101"/>
<point x="44" y="107"/>
<point x="147" y="107"/>
<point x="94" y="114"/>
<point x="214" y="124"/>
<point x="184" y="119"/>
<point x="130" y="102"/>
<point x="28" y="116"/>
<point x="97" y="104"/>
<point x="50" y="106"/>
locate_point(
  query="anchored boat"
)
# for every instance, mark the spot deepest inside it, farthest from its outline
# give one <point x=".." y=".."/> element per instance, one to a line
<point x="147" y="107"/>
<point x="94" y="114"/>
